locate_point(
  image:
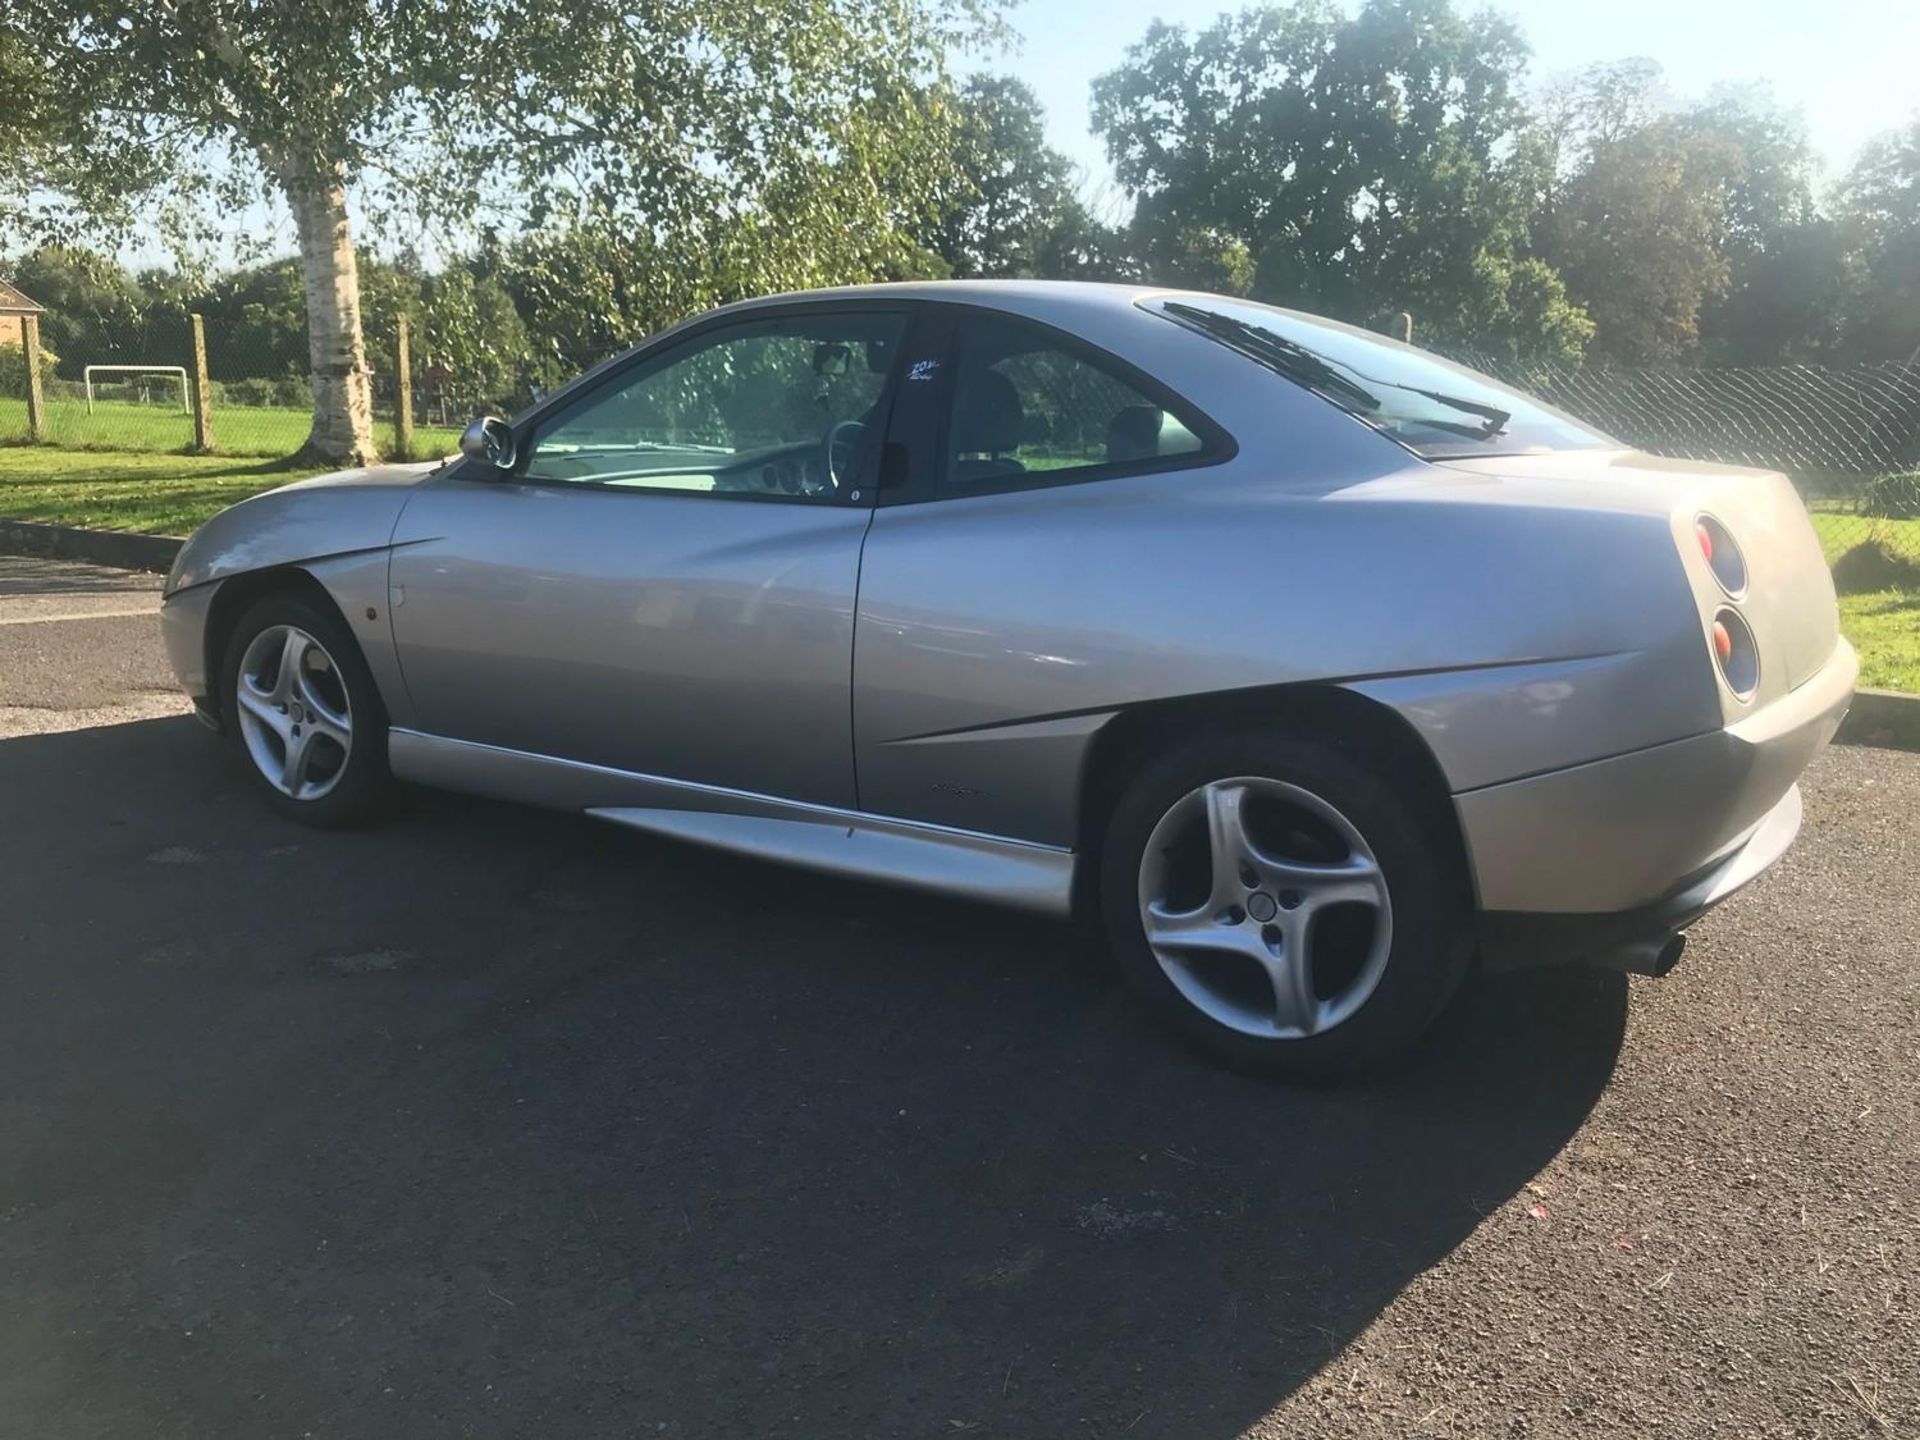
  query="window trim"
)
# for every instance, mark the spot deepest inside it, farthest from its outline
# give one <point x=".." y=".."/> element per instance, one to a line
<point x="620" y="369"/>
<point x="931" y="435"/>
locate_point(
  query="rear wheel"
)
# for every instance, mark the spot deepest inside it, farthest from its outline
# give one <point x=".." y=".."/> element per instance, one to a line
<point x="1278" y="902"/>
<point x="305" y="712"/>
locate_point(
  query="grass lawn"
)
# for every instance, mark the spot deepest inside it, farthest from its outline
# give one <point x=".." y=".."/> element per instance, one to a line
<point x="262" y="431"/>
<point x="1884" y="627"/>
<point x="104" y="490"/>
<point x="1839" y="532"/>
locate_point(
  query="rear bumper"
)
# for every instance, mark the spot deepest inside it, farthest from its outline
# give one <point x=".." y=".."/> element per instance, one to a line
<point x="1623" y="847"/>
<point x="1637" y="940"/>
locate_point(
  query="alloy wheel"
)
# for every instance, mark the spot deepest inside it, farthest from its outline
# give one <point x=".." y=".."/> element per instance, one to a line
<point x="294" y="712"/>
<point x="1265" y="907"/>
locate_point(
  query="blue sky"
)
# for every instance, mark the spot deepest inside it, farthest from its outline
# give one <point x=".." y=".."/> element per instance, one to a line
<point x="1852" y="67"/>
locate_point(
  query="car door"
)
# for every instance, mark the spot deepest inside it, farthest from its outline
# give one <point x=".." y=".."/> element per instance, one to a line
<point x="1008" y="589"/>
<point x="664" y="580"/>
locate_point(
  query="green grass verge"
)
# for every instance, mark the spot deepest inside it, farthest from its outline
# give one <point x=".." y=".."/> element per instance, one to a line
<point x="1840" y="532"/>
<point x="264" y="431"/>
<point x="158" y="494"/>
<point x="1884" y="627"/>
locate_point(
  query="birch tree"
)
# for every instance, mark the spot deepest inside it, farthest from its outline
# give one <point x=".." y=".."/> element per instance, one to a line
<point x="803" y="140"/>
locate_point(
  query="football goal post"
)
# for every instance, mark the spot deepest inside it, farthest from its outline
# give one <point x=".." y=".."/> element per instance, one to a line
<point x="179" y="372"/>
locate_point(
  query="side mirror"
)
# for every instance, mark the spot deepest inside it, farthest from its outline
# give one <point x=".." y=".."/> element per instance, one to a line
<point x="490" y="441"/>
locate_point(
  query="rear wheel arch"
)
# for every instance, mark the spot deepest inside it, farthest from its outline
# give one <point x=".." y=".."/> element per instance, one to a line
<point x="1375" y="734"/>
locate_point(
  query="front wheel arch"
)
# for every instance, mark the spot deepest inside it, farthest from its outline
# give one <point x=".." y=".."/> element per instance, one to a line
<point x="236" y="595"/>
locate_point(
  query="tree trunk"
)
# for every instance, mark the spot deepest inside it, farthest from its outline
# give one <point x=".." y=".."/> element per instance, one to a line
<point x="336" y="351"/>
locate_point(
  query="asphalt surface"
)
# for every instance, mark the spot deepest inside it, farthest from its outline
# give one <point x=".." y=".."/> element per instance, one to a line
<point x="491" y="1122"/>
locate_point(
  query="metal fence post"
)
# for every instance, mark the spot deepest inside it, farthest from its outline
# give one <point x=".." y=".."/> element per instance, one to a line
<point x="36" y="401"/>
<point x="1403" y="328"/>
<point x="202" y="388"/>
<point x="403" y="388"/>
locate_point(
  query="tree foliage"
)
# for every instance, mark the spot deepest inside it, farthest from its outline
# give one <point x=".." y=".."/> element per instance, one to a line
<point x="93" y="307"/>
<point x="1599" y="105"/>
<point x="1786" y="269"/>
<point x="1879" y="213"/>
<point x="678" y="117"/>
<point x="1637" y="232"/>
<point x="779" y="143"/>
<point x="1015" y="191"/>
<point x="1366" y="163"/>
<point x="1685" y="230"/>
<point x="585" y="173"/>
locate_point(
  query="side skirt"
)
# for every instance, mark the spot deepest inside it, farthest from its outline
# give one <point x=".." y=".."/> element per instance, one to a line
<point x="962" y="863"/>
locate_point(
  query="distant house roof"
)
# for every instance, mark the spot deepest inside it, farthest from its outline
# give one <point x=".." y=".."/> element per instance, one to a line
<point x="12" y="302"/>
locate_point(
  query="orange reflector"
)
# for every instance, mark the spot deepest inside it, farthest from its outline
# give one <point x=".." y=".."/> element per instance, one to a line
<point x="1706" y="541"/>
<point x="1722" y="642"/>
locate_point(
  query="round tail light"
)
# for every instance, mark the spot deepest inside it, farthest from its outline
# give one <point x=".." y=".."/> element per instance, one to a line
<point x="1738" y="656"/>
<point x="1723" y="556"/>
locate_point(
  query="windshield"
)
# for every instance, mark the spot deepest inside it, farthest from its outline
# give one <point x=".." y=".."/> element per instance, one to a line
<point x="1432" y="406"/>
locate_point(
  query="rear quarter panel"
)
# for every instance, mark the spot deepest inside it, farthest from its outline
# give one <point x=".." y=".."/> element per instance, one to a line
<point x="1517" y="634"/>
<point x="1789" y="598"/>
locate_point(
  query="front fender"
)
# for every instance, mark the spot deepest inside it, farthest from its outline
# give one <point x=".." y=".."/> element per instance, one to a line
<point x="334" y="531"/>
<point x="340" y="514"/>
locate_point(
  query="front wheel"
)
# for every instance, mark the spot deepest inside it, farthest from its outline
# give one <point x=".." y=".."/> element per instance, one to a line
<point x="307" y="715"/>
<point x="1275" y="900"/>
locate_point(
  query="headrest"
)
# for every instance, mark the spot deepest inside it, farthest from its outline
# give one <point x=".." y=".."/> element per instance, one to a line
<point x="987" y="414"/>
<point x="1134" y="433"/>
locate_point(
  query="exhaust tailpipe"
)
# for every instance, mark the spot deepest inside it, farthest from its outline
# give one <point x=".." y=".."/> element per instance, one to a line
<point x="1669" y="955"/>
<point x="1654" y="957"/>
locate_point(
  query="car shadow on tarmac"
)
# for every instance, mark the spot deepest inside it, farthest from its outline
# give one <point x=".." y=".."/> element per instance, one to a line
<point x="487" y="1121"/>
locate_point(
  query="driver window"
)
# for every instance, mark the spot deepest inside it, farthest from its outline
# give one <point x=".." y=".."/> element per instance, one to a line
<point x="786" y="408"/>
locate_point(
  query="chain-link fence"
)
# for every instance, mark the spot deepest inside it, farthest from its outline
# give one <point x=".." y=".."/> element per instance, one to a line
<point x="258" y="397"/>
<point x="1849" y="436"/>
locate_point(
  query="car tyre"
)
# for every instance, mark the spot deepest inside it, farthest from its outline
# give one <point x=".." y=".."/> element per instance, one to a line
<point x="1277" y="901"/>
<point x="304" y="712"/>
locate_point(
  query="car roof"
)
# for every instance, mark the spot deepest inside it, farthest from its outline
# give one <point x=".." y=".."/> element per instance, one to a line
<point x="1058" y="302"/>
<point x="1027" y="297"/>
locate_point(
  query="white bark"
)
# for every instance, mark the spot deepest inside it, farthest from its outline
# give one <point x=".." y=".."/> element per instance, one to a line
<point x="336" y="349"/>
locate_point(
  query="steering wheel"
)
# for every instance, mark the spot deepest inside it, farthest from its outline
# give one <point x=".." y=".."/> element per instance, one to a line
<point x="839" y="449"/>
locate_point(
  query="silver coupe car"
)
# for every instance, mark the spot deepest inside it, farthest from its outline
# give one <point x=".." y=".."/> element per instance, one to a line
<point x="1315" y="668"/>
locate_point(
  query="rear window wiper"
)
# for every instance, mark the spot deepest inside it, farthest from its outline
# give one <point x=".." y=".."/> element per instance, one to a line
<point x="1295" y="362"/>
<point x="1496" y="419"/>
<point x="1300" y="364"/>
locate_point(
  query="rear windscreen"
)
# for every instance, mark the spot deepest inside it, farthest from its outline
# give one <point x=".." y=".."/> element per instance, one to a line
<point x="1432" y="406"/>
